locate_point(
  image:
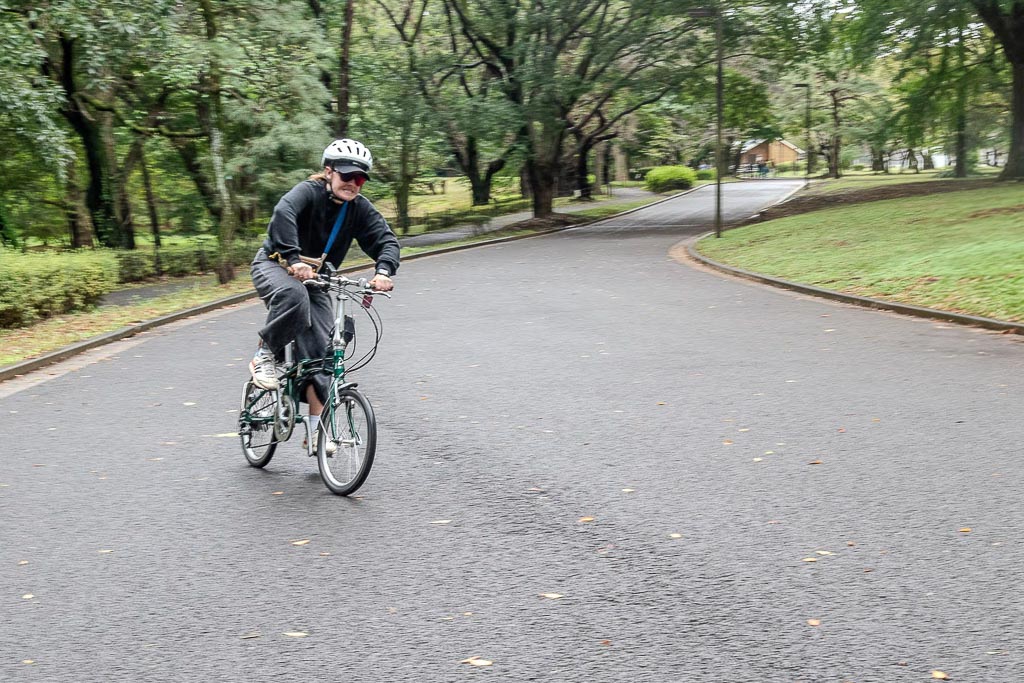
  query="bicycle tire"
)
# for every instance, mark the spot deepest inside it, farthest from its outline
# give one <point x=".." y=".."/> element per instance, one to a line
<point x="256" y="424"/>
<point x="349" y="422"/>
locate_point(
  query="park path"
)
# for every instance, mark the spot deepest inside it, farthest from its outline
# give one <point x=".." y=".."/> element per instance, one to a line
<point x="575" y="414"/>
<point x="622" y="196"/>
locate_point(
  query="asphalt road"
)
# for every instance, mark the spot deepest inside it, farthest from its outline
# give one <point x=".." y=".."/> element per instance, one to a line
<point x="521" y="389"/>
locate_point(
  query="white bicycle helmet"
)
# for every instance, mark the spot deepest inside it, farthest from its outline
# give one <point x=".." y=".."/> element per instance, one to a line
<point x="348" y="156"/>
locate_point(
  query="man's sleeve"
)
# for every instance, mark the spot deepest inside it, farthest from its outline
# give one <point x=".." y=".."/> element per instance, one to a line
<point x="283" y="231"/>
<point x="377" y="240"/>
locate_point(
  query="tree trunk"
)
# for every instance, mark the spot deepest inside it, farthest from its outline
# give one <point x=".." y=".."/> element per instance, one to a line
<point x="877" y="160"/>
<point x="7" y="236"/>
<point x="189" y="153"/>
<point x="929" y="163"/>
<point x="118" y="183"/>
<point x="1014" y="169"/>
<point x="582" y="172"/>
<point x="79" y="223"/>
<point x="211" y="117"/>
<point x="912" y="160"/>
<point x="600" y="159"/>
<point x="154" y="219"/>
<point x="621" y="163"/>
<point x="542" y="185"/>
<point x="344" y="67"/>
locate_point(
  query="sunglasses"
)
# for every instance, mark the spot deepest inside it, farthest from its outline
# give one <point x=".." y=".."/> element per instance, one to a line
<point x="357" y="178"/>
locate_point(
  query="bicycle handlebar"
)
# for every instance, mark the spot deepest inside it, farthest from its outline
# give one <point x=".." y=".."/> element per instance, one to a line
<point x="325" y="281"/>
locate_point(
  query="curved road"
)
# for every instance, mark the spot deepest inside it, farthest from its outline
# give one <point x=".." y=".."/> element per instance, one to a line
<point x="523" y="388"/>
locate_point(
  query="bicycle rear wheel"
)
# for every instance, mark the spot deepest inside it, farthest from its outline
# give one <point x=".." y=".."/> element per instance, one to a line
<point x="256" y="424"/>
<point x="348" y="422"/>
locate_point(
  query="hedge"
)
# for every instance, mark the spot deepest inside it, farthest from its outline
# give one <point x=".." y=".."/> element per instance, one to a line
<point x="178" y="260"/>
<point x="665" y="178"/>
<point x="36" y="286"/>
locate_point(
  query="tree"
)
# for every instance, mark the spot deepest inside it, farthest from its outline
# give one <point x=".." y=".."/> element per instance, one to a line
<point x="550" y="59"/>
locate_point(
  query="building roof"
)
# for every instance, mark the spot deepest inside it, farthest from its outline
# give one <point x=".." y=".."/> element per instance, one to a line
<point x="751" y="144"/>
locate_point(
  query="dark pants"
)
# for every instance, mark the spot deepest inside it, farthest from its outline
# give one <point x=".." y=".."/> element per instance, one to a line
<point x="294" y="313"/>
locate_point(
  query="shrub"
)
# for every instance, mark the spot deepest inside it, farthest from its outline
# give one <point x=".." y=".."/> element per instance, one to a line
<point x="706" y="174"/>
<point x="666" y="178"/>
<point x="36" y="286"/>
<point x="134" y="265"/>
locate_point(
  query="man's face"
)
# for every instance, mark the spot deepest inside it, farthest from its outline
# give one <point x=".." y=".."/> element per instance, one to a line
<point x="345" y="186"/>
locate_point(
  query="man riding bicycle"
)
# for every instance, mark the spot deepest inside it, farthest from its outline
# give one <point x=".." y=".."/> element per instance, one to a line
<point x="313" y="224"/>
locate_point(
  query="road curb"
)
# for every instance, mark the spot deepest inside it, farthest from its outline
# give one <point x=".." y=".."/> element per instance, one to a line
<point x="24" y="367"/>
<point x="866" y="302"/>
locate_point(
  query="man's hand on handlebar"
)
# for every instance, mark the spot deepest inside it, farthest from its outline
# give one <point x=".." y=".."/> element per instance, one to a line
<point x="381" y="283"/>
<point x="301" y="271"/>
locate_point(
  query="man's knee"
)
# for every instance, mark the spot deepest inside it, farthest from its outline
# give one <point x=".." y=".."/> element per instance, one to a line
<point x="292" y="300"/>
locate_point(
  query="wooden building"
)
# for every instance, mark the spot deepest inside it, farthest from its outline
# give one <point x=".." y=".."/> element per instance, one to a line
<point x="774" y="151"/>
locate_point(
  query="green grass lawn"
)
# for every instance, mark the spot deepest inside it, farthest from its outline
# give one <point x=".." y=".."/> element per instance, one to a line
<point x="865" y="180"/>
<point x="958" y="251"/>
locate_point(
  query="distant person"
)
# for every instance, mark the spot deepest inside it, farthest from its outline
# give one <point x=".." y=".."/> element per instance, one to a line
<point x="317" y="218"/>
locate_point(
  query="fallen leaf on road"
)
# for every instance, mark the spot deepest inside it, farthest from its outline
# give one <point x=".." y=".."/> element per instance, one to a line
<point x="841" y="429"/>
<point x="254" y="634"/>
<point x="965" y="530"/>
<point x="675" y="535"/>
<point x="476" y="661"/>
<point x="628" y="490"/>
<point x="104" y="551"/>
<point x="28" y="661"/>
<point x="814" y="622"/>
<point x="442" y="521"/>
<point x="823" y="552"/>
<point x="940" y="675"/>
<point x="27" y="596"/>
<point x="850" y="544"/>
<point x="584" y="520"/>
<point x="295" y="634"/>
<point x="758" y="459"/>
<point x="302" y="542"/>
<point x="277" y="493"/>
<point x="188" y="403"/>
<point x="661" y="403"/>
<point x="727" y="442"/>
<point x="551" y="596"/>
<point x="606" y="642"/>
<point x="225" y="435"/>
<point x="809" y="559"/>
<point x="22" y="562"/>
<point x="814" y="462"/>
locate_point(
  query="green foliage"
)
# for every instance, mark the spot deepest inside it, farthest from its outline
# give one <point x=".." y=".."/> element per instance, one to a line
<point x="37" y="286"/>
<point x="198" y="256"/>
<point x="666" y="178"/>
<point x="706" y="174"/>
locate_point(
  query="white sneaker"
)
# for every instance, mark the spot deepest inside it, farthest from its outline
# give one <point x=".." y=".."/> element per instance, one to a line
<point x="264" y="372"/>
<point x="330" y="446"/>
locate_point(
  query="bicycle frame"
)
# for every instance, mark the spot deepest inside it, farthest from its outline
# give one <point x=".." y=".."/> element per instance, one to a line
<point x="343" y="333"/>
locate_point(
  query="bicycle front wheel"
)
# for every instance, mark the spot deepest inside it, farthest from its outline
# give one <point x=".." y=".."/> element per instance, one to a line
<point x="347" y="422"/>
<point x="256" y="424"/>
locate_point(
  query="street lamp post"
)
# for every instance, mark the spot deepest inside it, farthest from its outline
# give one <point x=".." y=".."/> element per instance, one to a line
<point x="715" y="12"/>
<point x="807" y="124"/>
